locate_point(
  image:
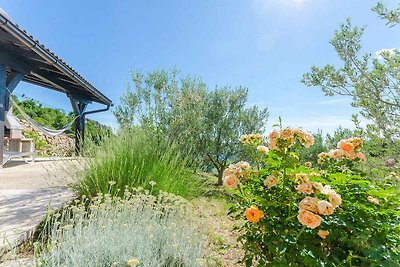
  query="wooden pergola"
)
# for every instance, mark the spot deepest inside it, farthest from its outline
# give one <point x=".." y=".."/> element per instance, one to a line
<point x="22" y="58"/>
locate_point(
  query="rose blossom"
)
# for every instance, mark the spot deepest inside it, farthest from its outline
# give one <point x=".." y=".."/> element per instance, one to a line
<point x="309" y="203"/>
<point x="309" y="219"/>
<point x="302" y="177"/>
<point x="323" y="233"/>
<point x="373" y="200"/>
<point x="232" y="169"/>
<point x="335" y="199"/>
<point x="271" y="181"/>
<point x="351" y="155"/>
<point x="345" y="145"/>
<point x="361" y="156"/>
<point x="309" y="140"/>
<point x="318" y="186"/>
<point x="287" y="133"/>
<point x="305" y="188"/>
<point x="336" y="153"/>
<point x="263" y="150"/>
<point x="253" y="214"/>
<point x="231" y="181"/>
<point x="244" y="165"/>
<point x="325" y="208"/>
<point x="273" y="135"/>
<point x="327" y="190"/>
<point x="272" y="144"/>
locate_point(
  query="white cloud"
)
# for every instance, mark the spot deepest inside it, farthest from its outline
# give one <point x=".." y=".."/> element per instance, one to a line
<point x="391" y="51"/>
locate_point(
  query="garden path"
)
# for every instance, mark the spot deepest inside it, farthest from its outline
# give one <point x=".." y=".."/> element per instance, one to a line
<point x="26" y="192"/>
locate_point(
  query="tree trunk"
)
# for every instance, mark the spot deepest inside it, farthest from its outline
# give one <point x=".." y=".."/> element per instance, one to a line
<point x="220" y="175"/>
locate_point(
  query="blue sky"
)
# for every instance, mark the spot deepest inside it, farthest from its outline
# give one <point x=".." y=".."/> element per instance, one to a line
<point x="265" y="45"/>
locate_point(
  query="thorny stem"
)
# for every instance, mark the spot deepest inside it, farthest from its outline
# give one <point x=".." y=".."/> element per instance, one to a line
<point x="300" y="232"/>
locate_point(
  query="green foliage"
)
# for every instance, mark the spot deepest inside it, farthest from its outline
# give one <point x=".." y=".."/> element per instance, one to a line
<point x="372" y="82"/>
<point x="133" y="158"/>
<point x="363" y="222"/>
<point x="311" y="154"/>
<point x="56" y="119"/>
<point x="136" y="230"/>
<point x="48" y="117"/>
<point x="180" y="109"/>
<point x="40" y="144"/>
<point x="392" y="17"/>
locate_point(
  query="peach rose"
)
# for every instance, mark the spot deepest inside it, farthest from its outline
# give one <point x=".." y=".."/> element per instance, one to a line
<point x="309" y="203"/>
<point x="325" y="208"/>
<point x="336" y="153"/>
<point x="272" y="145"/>
<point x="323" y="233"/>
<point x="302" y="177"/>
<point x="318" y="186"/>
<point x="263" y="150"/>
<point x="273" y="135"/>
<point x="335" y="199"/>
<point x="287" y="133"/>
<point x="271" y="181"/>
<point x="373" y="200"/>
<point x="309" y="140"/>
<point x="346" y="146"/>
<point x="243" y="165"/>
<point x="231" y="181"/>
<point x="361" y="156"/>
<point x="232" y="169"/>
<point x="357" y="142"/>
<point x="309" y="219"/>
<point x="351" y="155"/>
<point x="326" y="190"/>
<point x="306" y="188"/>
<point x="253" y="214"/>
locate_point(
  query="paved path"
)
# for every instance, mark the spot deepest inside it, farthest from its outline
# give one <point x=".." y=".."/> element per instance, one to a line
<point x="26" y="191"/>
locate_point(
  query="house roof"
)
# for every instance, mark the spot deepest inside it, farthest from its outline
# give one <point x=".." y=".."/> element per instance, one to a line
<point x="22" y="53"/>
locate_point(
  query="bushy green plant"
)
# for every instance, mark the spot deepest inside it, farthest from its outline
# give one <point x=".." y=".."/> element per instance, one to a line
<point x="138" y="229"/>
<point x="40" y="144"/>
<point x="133" y="158"/>
<point x="300" y="215"/>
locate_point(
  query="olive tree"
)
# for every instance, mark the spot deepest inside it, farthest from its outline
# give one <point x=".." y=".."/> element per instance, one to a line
<point x="372" y="80"/>
<point x="206" y="124"/>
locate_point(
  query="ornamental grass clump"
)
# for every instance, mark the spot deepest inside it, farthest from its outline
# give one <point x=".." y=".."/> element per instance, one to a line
<point x="133" y="158"/>
<point x="302" y="215"/>
<point x="138" y="229"/>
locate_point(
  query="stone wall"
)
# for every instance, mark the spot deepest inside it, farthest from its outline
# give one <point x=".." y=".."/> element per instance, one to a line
<point x="61" y="145"/>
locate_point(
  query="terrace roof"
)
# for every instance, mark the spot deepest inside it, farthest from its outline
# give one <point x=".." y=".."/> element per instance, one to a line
<point x="22" y="53"/>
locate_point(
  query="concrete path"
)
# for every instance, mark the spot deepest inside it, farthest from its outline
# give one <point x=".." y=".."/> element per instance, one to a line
<point x="26" y="191"/>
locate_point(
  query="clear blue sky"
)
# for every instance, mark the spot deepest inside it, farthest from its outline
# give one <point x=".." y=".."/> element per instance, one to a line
<point x="265" y="45"/>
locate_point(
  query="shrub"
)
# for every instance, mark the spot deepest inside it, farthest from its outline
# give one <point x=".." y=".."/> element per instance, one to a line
<point x="132" y="158"/>
<point x="136" y="230"/>
<point x="300" y="215"/>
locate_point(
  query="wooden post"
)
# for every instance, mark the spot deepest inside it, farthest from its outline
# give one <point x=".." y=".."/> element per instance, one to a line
<point x="3" y="93"/>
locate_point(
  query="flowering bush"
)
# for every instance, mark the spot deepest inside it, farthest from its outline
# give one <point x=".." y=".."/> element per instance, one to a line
<point x="304" y="215"/>
<point x="138" y="229"/>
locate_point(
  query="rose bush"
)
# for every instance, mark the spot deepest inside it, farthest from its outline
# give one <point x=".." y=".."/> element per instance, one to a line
<point x="304" y="215"/>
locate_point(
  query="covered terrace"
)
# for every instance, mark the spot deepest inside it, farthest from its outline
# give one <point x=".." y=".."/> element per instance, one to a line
<point x="22" y="58"/>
